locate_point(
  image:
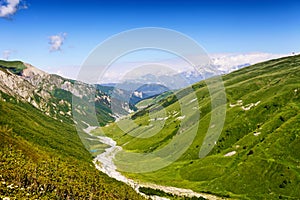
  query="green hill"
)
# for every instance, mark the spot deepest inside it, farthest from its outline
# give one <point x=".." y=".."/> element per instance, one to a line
<point x="257" y="155"/>
<point x="43" y="158"/>
<point x="15" y="67"/>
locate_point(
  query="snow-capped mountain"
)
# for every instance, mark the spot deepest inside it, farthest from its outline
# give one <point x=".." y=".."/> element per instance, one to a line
<point x="226" y="63"/>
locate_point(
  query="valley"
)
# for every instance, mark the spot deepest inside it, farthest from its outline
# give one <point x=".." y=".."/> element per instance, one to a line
<point x="255" y="157"/>
<point x="105" y="163"/>
<point x="258" y="143"/>
<point x="149" y="100"/>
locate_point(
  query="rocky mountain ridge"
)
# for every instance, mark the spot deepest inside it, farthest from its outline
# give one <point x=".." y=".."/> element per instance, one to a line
<point x="49" y="93"/>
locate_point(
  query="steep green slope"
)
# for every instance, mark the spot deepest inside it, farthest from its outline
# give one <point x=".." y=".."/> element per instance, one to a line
<point x="15" y="67"/>
<point x="257" y="155"/>
<point x="43" y="158"/>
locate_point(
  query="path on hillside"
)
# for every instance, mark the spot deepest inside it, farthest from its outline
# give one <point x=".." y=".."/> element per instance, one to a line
<point x="104" y="162"/>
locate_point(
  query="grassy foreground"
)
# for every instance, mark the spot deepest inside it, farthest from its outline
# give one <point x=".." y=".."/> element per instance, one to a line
<point x="43" y="158"/>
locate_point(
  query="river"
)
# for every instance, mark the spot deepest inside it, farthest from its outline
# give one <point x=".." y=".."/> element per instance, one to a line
<point x="104" y="162"/>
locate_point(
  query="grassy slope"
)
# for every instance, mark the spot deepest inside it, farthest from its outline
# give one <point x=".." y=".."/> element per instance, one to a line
<point x="266" y="166"/>
<point x="15" y="67"/>
<point x="43" y="158"/>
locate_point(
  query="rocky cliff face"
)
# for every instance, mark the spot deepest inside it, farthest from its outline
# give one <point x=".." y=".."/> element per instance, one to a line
<point x="49" y="93"/>
<point x="50" y="82"/>
<point x="23" y="90"/>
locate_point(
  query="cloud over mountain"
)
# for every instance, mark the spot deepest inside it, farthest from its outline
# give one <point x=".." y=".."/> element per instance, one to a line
<point x="228" y="62"/>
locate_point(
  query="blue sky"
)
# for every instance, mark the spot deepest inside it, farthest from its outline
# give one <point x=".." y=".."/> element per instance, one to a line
<point x="239" y="26"/>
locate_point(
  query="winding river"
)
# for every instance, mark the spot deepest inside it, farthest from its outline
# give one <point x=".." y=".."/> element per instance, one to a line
<point x="104" y="162"/>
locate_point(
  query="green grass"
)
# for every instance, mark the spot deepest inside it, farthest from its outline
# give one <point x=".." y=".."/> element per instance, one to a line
<point x="43" y="158"/>
<point x="15" y="67"/>
<point x="265" y="166"/>
<point x="153" y="100"/>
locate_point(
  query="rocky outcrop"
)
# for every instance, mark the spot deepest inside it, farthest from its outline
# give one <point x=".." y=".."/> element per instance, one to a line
<point x="49" y="82"/>
<point x="37" y="88"/>
<point x="23" y="90"/>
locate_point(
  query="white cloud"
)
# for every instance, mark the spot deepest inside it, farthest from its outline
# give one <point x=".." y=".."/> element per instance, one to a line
<point x="9" y="7"/>
<point x="228" y="62"/>
<point x="56" y="41"/>
<point x="6" y="54"/>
